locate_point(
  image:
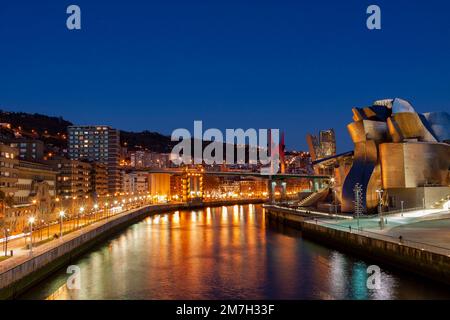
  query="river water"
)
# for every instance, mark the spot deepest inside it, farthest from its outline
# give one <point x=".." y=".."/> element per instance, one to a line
<point x="224" y="253"/>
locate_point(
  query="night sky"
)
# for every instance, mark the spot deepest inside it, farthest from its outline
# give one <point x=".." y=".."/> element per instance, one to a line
<point x="159" y="65"/>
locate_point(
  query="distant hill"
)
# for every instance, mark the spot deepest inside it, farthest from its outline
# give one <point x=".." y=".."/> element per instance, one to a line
<point x="53" y="130"/>
<point x="146" y="140"/>
<point x="38" y="122"/>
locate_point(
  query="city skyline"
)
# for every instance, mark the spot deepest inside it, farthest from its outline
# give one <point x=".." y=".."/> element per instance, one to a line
<point x="159" y="67"/>
<point x="229" y="158"/>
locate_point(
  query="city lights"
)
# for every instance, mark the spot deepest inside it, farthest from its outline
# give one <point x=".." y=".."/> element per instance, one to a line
<point x="154" y="150"/>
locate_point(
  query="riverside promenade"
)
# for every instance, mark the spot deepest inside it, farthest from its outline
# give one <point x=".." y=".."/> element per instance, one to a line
<point x="26" y="268"/>
<point x="412" y="251"/>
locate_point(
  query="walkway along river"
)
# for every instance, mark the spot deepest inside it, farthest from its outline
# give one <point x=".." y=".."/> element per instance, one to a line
<point x="224" y="253"/>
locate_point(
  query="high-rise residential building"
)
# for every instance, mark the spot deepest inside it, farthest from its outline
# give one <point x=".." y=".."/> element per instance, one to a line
<point x="148" y="159"/>
<point x="99" y="180"/>
<point x="135" y="182"/>
<point x="100" y="144"/>
<point x="29" y="150"/>
<point x="8" y="171"/>
<point x="322" y="146"/>
<point x="176" y="187"/>
<point x="73" y="177"/>
<point x="328" y="142"/>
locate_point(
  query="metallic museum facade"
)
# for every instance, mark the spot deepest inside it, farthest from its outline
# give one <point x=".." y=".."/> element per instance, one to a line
<point x="401" y="157"/>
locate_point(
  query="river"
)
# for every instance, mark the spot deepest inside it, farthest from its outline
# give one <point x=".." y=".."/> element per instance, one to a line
<point x="224" y="253"/>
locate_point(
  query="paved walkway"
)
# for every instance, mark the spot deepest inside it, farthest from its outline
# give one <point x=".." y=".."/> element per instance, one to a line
<point x="21" y="254"/>
<point x="423" y="229"/>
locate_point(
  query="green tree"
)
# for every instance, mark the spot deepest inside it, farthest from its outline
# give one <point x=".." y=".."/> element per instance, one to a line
<point x="6" y="201"/>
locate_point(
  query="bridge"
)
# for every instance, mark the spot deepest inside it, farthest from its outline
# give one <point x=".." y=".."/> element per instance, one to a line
<point x="192" y="179"/>
<point x="278" y="176"/>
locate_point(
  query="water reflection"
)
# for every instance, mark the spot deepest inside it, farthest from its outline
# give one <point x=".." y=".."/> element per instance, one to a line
<point x="223" y="253"/>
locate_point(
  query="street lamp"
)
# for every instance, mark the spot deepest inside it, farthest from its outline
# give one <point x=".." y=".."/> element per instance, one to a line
<point x="95" y="211"/>
<point x="332" y="180"/>
<point x="6" y="242"/>
<point x="401" y="202"/>
<point x="41" y="227"/>
<point x="106" y="209"/>
<point x="31" y="221"/>
<point x="34" y="205"/>
<point x="80" y="213"/>
<point x="61" y="217"/>
<point x="380" y="209"/>
<point x="115" y="205"/>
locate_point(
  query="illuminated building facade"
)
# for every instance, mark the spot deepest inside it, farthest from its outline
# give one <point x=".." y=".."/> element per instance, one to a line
<point x="99" y="180"/>
<point x="159" y="184"/>
<point x="29" y="150"/>
<point x="322" y="147"/>
<point x="8" y="168"/>
<point x="401" y="157"/>
<point x="135" y="182"/>
<point x="73" y="177"/>
<point x="192" y="185"/>
<point x="100" y="144"/>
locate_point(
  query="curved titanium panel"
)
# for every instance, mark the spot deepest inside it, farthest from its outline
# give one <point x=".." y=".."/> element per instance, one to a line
<point x="408" y="125"/>
<point x="440" y="124"/>
<point x="410" y="165"/>
<point x="364" y="171"/>
<point x="367" y="130"/>
<point x="401" y="105"/>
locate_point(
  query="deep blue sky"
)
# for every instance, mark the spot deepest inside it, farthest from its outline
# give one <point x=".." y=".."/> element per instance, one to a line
<point x="159" y="65"/>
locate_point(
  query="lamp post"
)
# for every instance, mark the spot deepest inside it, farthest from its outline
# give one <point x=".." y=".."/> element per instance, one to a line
<point x="106" y="209"/>
<point x="332" y="181"/>
<point x="380" y="208"/>
<point x="41" y="226"/>
<point x="95" y="211"/>
<point x="31" y="221"/>
<point x="6" y="241"/>
<point x="80" y="213"/>
<point x="401" y="202"/>
<point x="115" y="205"/>
<point x="61" y="217"/>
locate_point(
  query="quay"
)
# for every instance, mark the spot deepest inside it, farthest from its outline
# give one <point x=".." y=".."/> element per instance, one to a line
<point x="427" y="260"/>
<point x="19" y="273"/>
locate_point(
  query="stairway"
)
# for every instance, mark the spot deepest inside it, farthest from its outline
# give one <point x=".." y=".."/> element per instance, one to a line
<point x="312" y="199"/>
<point x="440" y="204"/>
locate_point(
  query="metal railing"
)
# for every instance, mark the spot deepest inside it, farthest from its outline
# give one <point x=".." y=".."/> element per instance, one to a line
<point x="391" y="212"/>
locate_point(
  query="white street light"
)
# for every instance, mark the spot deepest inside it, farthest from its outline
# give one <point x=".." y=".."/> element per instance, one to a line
<point x="61" y="217"/>
<point x="31" y="220"/>
<point x="6" y="241"/>
<point x="380" y="209"/>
